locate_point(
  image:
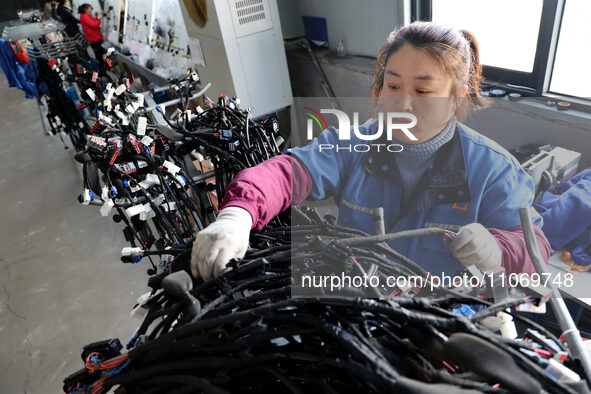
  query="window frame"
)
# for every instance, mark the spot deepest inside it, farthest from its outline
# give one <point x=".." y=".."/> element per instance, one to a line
<point x="537" y="82"/>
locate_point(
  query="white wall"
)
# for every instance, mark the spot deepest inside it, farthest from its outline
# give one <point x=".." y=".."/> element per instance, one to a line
<point x="291" y="18"/>
<point x="516" y="124"/>
<point x="363" y="25"/>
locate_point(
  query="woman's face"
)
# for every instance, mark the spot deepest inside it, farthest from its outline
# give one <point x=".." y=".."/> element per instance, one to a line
<point x="414" y="83"/>
<point x="88" y="11"/>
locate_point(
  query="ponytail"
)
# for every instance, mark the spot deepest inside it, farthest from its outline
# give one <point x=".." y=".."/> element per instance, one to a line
<point x="474" y="77"/>
<point x="475" y="71"/>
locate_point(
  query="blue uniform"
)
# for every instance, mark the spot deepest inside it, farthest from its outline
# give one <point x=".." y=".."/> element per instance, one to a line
<point x="473" y="179"/>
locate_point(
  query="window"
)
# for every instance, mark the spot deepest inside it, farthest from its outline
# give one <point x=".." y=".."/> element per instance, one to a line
<point x="572" y="65"/>
<point x="507" y="30"/>
<point x="532" y="46"/>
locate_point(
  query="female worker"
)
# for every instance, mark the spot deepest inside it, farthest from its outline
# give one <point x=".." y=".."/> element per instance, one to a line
<point x="450" y="177"/>
<point x="92" y="30"/>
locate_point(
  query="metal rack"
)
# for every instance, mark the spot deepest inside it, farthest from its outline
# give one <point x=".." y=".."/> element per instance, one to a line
<point x="47" y="39"/>
<point x="59" y="48"/>
<point x="26" y="30"/>
<point x="29" y="15"/>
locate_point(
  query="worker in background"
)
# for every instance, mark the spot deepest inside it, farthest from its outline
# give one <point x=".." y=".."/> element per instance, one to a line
<point x="62" y="13"/>
<point x="48" y="9"/>
<point x="450" y="177"/>
<point x="92" y="30"/>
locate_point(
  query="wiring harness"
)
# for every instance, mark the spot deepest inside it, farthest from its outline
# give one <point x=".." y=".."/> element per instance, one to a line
<point x="244" y="331"/>
<point x="162" y="174"/>
<point x="256" y="327"/>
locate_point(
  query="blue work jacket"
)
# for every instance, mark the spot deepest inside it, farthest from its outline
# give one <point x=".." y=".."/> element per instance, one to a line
<point x="472" y="179"/>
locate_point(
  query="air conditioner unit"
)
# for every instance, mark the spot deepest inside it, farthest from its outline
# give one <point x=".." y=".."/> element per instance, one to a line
<point x="239" y="49"/>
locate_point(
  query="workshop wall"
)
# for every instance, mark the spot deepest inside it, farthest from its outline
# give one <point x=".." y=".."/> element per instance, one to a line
<point x="525" y="124"/>
<point x="363" y="25"/>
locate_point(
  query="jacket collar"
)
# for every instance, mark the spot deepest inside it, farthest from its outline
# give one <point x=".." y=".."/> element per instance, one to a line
<point x="443" y="183"/>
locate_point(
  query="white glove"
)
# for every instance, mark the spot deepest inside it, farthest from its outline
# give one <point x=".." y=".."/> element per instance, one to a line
<point x="221" y="241"/>
<point x="475" y="245"/>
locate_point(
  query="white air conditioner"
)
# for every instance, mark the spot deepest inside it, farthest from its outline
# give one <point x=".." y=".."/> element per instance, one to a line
<point x="240" y="51"/>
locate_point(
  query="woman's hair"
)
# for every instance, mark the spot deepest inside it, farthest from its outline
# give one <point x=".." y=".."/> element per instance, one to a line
<point x="456" y="52"/>
<point x="83" y="7"/>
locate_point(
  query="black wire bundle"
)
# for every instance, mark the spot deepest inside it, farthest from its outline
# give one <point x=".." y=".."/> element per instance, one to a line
<point x="53" y="76"/>
<point x="62" y="114"/>
<point x="244" y="332"/>
<point x="147" y="173"/>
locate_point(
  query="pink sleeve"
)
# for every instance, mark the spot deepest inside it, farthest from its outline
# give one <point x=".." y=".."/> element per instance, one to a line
<point x="266" y="189"/>
<point x="515" y="256"/>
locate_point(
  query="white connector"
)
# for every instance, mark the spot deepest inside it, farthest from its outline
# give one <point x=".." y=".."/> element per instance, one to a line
<point x="171" y="167"/>
<point x="140" y="99"/>
<point x="91" y="94"/>
<point x="142" y="123"/>
<point x="120" y="89"/>
<point x="106" y="207"/>
<point x="86" y="197"/>
<point x="147" y="140"/>
<point x="134" y="210"/>
<point x="130" y="251"/>
<point x="152" y="179"/>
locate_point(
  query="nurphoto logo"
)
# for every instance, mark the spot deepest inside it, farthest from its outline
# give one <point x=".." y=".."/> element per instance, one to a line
<point x="344" y="130"/>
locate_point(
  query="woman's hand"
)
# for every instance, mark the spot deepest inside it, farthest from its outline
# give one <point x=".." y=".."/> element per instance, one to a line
<point x="221" y="241"/>
<point x="475" y="245"/>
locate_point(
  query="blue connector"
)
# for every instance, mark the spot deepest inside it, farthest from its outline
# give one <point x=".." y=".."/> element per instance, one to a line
<point x="464" y="310"/>
<point x="94" y="358"/>
<point x="131" y="342"/>
<point x="225" y="134"/>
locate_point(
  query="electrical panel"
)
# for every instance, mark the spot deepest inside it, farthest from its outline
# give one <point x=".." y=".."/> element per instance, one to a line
<point x="154" y="35"/>
<point x="113" y="20"/>
<point x="169" y="39"/>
